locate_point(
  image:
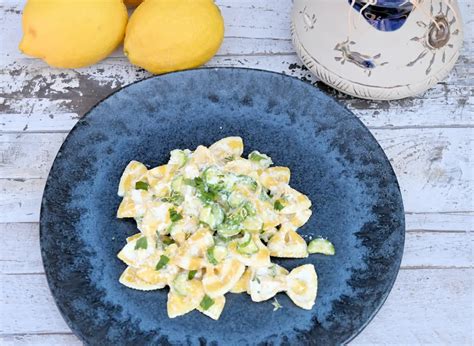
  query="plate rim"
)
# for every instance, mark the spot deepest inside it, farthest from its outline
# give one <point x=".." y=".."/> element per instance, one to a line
<point x="42" y="228"/>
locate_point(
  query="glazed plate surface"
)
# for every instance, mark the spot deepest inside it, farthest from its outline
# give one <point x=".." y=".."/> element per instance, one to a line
<point x="333" y="159"/>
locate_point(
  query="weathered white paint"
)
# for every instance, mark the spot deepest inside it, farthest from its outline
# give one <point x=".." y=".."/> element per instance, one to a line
<point x="429" y="140"/>
<point x="28" y="155"/>
<point x="20" y="199"/>
<point x="257" y="37"/>
<point x="447" y="222"/>
<point x="428" y="305"/>
<point x="422" y="250"/>
<point x="432" y="165"/>
<point x="440" y="250"/>
<point x="263" y="21"/>
<point x="27" y="306"/>
<point x="248" y="27"/>
<point x="30" y="88"/>
<point x="20" y="202"/>
<point x="59" y="339"/>
<point x="425" y="307"/>
<point x="442" y="106"/>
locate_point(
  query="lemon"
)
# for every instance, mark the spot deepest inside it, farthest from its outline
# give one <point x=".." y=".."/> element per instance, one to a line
<point x="172" y="35"/>
<point x="72" y="34"/>
<point x="132" y="3"/>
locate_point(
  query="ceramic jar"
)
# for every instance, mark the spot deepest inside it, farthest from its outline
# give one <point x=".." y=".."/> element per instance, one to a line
<point x="384" y="50"/>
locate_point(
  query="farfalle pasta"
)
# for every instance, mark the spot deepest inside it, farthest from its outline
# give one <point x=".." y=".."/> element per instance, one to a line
<point x="210" y="221"/>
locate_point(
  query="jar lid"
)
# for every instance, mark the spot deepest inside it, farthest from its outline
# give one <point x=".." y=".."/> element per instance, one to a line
<point x="346" y="44"/>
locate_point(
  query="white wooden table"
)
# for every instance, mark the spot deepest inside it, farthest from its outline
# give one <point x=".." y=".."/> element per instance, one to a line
<point x="429" y="140"/>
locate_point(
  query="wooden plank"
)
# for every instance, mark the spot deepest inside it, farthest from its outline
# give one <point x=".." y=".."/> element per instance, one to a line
<point x="21" y="251"/>
<point x="28" y="156"/>
<point x="35" y="92"/>
<point x="20" y="199"/>
<point x="447" y="222"/>
<point x="254" y="39"/>
<point x="424" y="307"/>
<point x="27" y="306"/>
<point x="437" y="249"/>
<point x="39" y="122"/>
<point x="430" y="306"/>
<point x="248" y="29"/>
<point x="262" y="27"/>
<point x="432" y="166"/>
<point x="60" y="339"/>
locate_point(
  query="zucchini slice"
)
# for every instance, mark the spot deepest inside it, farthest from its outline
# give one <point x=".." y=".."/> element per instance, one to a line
<point x="321" y="245"/>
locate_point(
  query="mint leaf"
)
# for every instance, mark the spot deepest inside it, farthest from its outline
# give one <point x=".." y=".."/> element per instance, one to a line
<point x="192" y="274"/>
<point x="141" y="185"/>
<point x="174" y="215"/>
<point x="175" y="198"/>
<point x="210" y="256"/>
<point x="277" y="205"/>
<point x="162" y="262"/>
<point x="206" y="302"/>
<point x="167" y="240"/>
<point x="142" y="243"/>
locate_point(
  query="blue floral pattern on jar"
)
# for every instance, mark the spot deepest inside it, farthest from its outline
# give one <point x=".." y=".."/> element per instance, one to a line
<point x="384" y="15"/>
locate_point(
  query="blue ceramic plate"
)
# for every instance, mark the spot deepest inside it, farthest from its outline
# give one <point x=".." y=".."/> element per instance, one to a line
<point x="333" y="158"/>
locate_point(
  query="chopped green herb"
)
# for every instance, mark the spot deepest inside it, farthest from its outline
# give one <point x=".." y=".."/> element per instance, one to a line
<point x="175" y="198"/>
<point x="273" y="270"/>
<point x="278" y="205"/>
<point x="276" y="305"/>
<point x="174" y="215"/>
<point x="162" y="262"/>
<point x="206" y="302"/>
<point x="261" y="159"/>
<point x="229" y="158"/>
<point x="192" y="274"/>
<point x="142" y="243"/>
<point x="210" y="256"/>
<point x="199" y="182"/>
<point x="206" y="193"/>
<point x="208" y="196"/>
<point x="167" y="240"/>
<point x="141" y="185"/>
